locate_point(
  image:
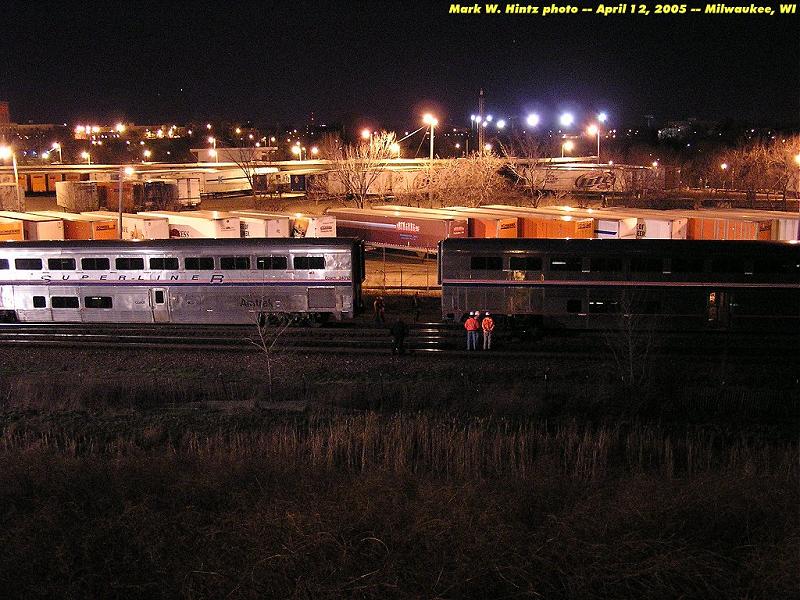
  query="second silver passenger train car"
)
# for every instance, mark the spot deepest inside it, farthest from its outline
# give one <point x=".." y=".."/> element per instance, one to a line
<point x="181" y="281"/>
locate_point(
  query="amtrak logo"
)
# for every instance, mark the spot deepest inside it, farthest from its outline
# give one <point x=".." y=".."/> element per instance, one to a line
<point x="406" y="226"/>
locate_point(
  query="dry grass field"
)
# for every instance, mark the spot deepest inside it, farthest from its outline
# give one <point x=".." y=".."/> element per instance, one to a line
<point x="168" y="475"/>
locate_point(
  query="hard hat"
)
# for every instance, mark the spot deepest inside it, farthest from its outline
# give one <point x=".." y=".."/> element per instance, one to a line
<point x="487" y="314"/>
<point x="471" y="313"/>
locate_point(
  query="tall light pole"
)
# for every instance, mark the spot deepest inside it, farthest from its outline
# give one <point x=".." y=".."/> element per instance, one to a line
<point x="87" y="157"/>
<point x="7" y="152"/>
<point x="429" y="119"/>
<point x="57" y="146"/>
<point x="567" y="146"/>
<point x="595" y="130"/>
<point x="213" y="141"/>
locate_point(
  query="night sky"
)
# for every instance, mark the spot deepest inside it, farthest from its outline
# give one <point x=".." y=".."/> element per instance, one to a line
<point x="387" y="61"/>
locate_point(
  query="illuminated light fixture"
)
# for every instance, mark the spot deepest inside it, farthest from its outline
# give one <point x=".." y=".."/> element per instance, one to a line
<point x="365" y="133"/>
<point x="602" y="117"/>
<point x="532" y="120"/>
<point x="566" y="119"/>
<point x="501" y="124"/>
<point x="120" y="127"/>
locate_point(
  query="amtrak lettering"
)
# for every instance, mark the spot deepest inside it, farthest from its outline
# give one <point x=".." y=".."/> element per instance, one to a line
<point x="596" y="181"/>
<point x="406" y="226"/>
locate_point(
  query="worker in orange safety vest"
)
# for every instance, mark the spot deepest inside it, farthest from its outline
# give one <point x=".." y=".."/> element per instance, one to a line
<point x="488" y="327"/>
<point x="471" y="325"/>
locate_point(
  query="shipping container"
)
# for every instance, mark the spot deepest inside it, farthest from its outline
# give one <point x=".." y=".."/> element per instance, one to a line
<point x="77" y="196"/>
<point x="210" y="224"/>
<point x="37" y="227"/>
<point x="136" y="226"/>
<point x="11" y="230"/>
<point x="38" y="183"/>
<point x="402" y="230"/>
<point x="480" y="223"/>
<point x="254" y="225"/>
<point x="301" y="225"/>
<point x="188" y="191"/>
<point x="84" y="227"/>
<point x="721" y="225"/>
<point x="541" y="224"/>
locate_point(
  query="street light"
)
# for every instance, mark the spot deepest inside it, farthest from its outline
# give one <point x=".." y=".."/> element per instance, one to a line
<point x="595" y="130"/>
<point x="532" y="120"/>
<point x="566" y="119"/>
<point x="394" y="148"/>
<point x="432" y="121"/>
<point x="602" y="117"/>
<point x="365" y="134"/>
<point x="501" y="124"/>
<point x="567" y="147"/>
<point x="314" y="150"/>
<point x="298" y="151"/>
<point x="87" y="157"/>
<point x="146" y="155"/>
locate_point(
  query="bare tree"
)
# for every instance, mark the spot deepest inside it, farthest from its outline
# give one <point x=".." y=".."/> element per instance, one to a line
<point x="471" y="181"/>
<point x="270" y="325"/>
<point x="356" y="167"/>
<point x="525" y="156"/>
<point x="250" y="160"/>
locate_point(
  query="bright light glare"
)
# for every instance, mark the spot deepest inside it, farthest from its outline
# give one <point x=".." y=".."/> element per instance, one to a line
<point x="569" y="146"/>
<point x="488" y="147"/>
<point x="147" y="153"/>
<point x="120" y="127"/>
<point x="723" y="166"/>
<point x="211" y="140"/>
<point x="566" y="119"/>
<point x="602" y="117"/>
<point x="314" y="150"/>
<point x="489" y="118"/>
<point x="532" y="120"/>
<point x="365" y="133"/>
<point x="395" y="148"/>
<point x="129" y="171"/>
<point x="501" y="123"/>
<point x="296" y="150"/>
<point x="5" y="152"/>
<point x="46" y="155"/>
<point x="797" y="158"/>
<point x="429" y="119"/>
<point x="593" y="130"/>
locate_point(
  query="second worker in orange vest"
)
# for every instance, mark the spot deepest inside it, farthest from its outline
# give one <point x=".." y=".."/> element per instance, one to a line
<point x="488" y="327"/>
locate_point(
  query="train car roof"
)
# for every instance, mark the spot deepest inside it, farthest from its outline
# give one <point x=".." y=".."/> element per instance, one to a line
<point x="181" y="243"/>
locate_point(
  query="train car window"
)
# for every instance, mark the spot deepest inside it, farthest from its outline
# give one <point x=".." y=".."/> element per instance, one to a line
<point x="525" y="263"/>
<point x="682" y="264"/>
<point x="199" y="263"/>
<point x="774" y="266"/>
<point x="98" y="302"/>
<point x="164" y="264"/>
<point x="3" y="263"/>
<point x="727" y="264"/>
<point x="64" y="302"/>
<point x="61" y="264"/>
<point x="28" y="264"/>
<point x="573" y="306"/>
<point x="95" y="264"/>
<point x="645" y="307"/>
<point x="565" y="263"/>
<point x="605" y="263"/>
<point x="486" y="263"/>
<point x="234" y="263"/>
<point x="39" y="302"/>
<point x="309" y="262"/>
<point x="603" y="306"/>
<point x="279" y="263"/>
<point x="159" y="296"/>
<point x="646" y="264"/>
<point x="129" y="264"/>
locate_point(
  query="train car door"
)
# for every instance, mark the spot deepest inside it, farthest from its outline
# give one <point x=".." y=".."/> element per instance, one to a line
<point x="159" y="302"/>
<point x="717" y="309"/>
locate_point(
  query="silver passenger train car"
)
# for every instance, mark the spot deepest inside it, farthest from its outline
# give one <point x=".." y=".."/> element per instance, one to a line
<point x="670" y="284"/>
<point x="215" y="281"/>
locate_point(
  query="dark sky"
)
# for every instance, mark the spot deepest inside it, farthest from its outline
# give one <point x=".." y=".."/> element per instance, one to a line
<point x="388" y="61"/>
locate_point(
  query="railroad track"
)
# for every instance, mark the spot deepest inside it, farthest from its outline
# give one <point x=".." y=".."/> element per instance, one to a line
<point x="360" y="338"/>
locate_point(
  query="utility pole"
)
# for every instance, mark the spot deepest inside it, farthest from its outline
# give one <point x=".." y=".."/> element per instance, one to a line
<point x="480" y="122"/>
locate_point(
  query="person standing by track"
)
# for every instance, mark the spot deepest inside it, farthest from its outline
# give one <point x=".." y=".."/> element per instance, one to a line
<point x="487" y="325"/>
<point x="471" y="325"/>
<point x="399" y="330"/>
